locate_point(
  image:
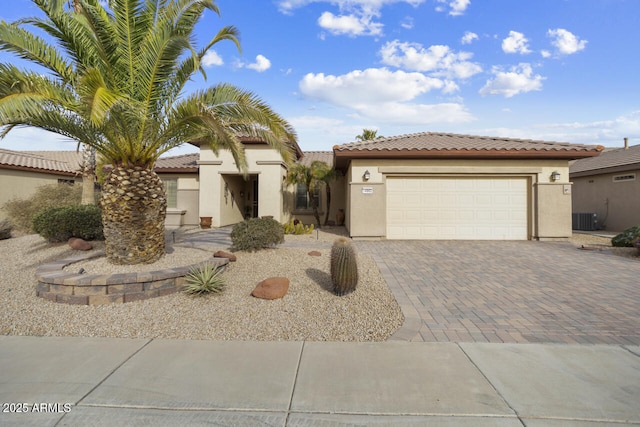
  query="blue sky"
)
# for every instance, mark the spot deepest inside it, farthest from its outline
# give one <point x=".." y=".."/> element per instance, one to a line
<point x="557" y="70"/>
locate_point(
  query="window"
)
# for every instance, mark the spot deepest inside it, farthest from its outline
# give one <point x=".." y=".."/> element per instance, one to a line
<point x="622" y="178"/>
<point x="171" y="189"/>
<point x="302" y="197"/>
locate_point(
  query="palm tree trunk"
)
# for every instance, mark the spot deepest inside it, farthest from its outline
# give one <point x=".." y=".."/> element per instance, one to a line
<point x="88" y="168"/>
<point x="134" y="207"/>
<point x="314" y="206"/>
<point x="326" y="217"/>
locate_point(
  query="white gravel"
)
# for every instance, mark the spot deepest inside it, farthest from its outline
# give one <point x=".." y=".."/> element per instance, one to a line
<point x="309" y="311"/>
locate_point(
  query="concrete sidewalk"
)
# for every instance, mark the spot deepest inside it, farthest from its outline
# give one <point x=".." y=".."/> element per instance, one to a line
<point x="131" y="382"/>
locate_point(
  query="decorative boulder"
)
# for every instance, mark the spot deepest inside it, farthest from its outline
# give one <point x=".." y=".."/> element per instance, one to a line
<point x="314" y="253"/>
<point x="223" y="254"/>
<point x="271" y="288"/>
<point x="79" y="245"/>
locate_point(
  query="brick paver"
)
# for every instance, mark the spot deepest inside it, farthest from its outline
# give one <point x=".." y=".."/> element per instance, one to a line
<point x="513" y="292"/>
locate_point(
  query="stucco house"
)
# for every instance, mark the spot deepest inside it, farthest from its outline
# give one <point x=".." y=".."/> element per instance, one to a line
<point x="418" y="186"/>
<point x="21" y="172"/>
<point x="609" y="186"/>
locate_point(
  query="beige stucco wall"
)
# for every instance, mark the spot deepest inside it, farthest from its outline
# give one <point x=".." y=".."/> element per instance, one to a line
<point x="617" y="204"/>
<point x="262" y="162"/>
<point x="186" y="210"/>
<point x="549" y="211"/>
<point x="22" y="184"/>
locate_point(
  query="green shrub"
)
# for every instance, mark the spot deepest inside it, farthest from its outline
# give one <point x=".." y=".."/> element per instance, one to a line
<point x="22" y="211"/>
<point x="58" y="224"/>
<point x="5" y="229"/>
<point x="204" y="279"/>
<point x="636" y="244"/>
<point x="625" y="238"/>
<point x="344" y="267"/>
<point x="257" y="233"/>
<point x="296" y="227"/>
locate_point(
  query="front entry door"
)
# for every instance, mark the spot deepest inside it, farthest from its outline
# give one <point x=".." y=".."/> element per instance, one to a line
<point x="255" y="197"/>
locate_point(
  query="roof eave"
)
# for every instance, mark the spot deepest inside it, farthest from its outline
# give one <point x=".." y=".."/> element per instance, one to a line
<point x="39" y="170"/>
<point x="604" y="171"/>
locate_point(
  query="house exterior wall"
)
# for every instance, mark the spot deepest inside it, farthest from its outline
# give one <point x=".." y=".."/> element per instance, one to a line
<point x="262" y="161"/>
<point x="22" y="184"/>
<point x="549" y="202"/>
<point x="186" y="210"/>
<point x="617" y="204"/>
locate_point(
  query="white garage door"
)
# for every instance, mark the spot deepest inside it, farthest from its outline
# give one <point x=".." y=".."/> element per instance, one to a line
<point x="457" y="208"/>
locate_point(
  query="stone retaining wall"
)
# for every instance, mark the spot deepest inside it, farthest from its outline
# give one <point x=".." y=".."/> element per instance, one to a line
<point x="55" y="284"/>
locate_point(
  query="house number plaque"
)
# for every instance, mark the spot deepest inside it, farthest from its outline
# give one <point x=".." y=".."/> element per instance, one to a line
<point x="367" y="190"/>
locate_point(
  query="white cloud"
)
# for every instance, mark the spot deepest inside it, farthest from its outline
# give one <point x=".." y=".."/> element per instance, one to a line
<point x="455" y="7"/>
<point x="516" y="43"/>
<point x="565" y="42"/>
<point x="351" y="25"/>
<point x="356" y="17"/>
<point x="407" y="23"/>
<point x="545" y="53"/>
<point x="438" y="59"/>
<point x="390" y="102"/>
<point x="468" y="37"/>
<point x="519" y="79"/>
<point x="261" y="64"/>
<point x="212" y="58"/>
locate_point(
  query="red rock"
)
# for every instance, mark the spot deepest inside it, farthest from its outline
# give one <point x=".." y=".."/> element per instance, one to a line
<point x="271" y="288"/>
<point x="79" y="244"/>
<point x="314" y="253"/>
<point x="223" y="254"/>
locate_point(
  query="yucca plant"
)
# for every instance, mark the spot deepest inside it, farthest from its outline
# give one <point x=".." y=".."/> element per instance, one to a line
<point x="344" y="267"/>
<point x="111" y="76"/>
<point x="204" y="279"/>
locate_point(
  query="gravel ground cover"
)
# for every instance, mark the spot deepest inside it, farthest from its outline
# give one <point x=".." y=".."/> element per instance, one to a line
<point x="603" y="244"/>
<point x="309" y="311"/>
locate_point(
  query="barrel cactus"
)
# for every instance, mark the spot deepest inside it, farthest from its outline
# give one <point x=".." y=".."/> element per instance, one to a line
<point x="344" y="267"/>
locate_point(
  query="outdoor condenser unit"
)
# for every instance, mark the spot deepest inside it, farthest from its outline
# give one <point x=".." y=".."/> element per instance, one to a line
<point x="584" y="221"/>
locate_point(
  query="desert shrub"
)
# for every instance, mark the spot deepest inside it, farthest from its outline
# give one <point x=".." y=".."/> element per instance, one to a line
<point x="625" y="238"/>
<point x="5" y="229"/>
<point x="296" y="227"/>
<point x="58" y="224"/>
<point x="204" y="279"/>
<point x="22" y="211"/>
<point x="344" y="267"/>
<point x="257" y="233"/>
<point x="636" y="244"/>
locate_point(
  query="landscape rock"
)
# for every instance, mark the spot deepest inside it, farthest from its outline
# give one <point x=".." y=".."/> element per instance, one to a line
<point x="271" y="288"/>
<point x="314" y="253"/>
<point x="223" y="254"/>
<point x="78" y="244"/>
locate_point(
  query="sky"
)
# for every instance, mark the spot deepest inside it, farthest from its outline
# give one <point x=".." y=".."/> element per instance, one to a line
<point x="554" y="70"/>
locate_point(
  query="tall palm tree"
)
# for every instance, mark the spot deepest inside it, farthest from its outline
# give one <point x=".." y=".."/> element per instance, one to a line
<point x="88" y="165"/>
<point x="115" y="81"/>
<point x="368" y="135"/>
<point x="302" y="174"/>
<point x="326" y="175"/>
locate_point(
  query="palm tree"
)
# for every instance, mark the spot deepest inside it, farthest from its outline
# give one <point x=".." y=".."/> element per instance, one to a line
<point x="368" y="135"/>
<point x="302" y="174"/>
<point x="115" y="81"/>
<point x="325" y="174"/>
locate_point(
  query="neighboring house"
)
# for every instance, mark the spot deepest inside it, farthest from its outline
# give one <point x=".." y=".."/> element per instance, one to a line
<point x="609" y="186"/>
<point x="21" y="172"/>
<point x="419" y="186"/>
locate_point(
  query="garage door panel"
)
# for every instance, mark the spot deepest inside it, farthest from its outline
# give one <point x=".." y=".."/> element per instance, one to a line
<point x="457" y="208"/>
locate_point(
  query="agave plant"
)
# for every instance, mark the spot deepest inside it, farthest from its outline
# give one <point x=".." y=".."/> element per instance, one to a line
<point x="204" y="279"/>
<point x="114" y="78"/>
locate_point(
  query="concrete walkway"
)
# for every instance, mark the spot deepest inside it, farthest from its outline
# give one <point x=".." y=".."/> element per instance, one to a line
<point x="133" y="382"/>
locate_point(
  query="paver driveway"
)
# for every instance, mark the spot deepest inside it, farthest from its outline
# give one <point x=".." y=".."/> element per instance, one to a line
<point x="510" y="291"/>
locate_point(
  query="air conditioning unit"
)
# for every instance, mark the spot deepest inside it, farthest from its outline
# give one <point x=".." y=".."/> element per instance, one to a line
<point x="584" y="221"/>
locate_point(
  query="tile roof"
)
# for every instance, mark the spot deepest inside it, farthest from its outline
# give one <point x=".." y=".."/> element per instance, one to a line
<point x="311" y="156"/>
<point x="56" y="162"/>
<point x="446" y="145"/>
<point x="618" y="159"/>
<point x="430" y="141"/>
<point x="182" y="163"/>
